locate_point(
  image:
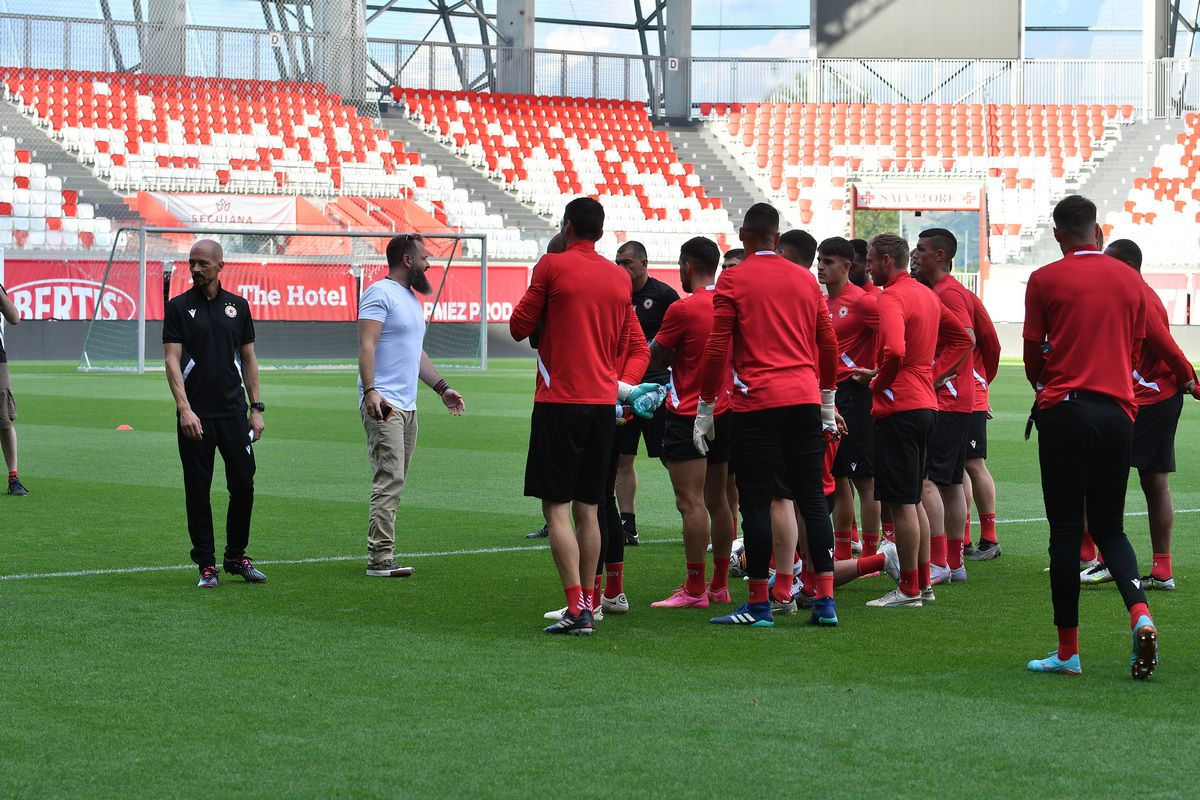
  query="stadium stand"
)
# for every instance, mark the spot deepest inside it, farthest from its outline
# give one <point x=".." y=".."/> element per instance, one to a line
<point x="545" y="149"/>
<point x="36" y="211"/>
<point x="1161" y="207"/>
<point x="187" y="134"/>
<point x="803" y="153"/>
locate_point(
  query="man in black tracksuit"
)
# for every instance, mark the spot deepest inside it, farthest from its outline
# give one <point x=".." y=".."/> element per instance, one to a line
<point x="208" y="340"/>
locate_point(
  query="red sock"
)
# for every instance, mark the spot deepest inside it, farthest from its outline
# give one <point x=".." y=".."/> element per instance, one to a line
<point x="909" y="583"/>
<point x="868" y="564"/>
<point x="825" y="585"/>
<point x="1087" y="548"/>
<point x="585" y="601"/>
<point x="841" y="546"/>
<point x="967" y="532"/>
<point x="720" y="578"/>
<point x="889" y="531"/>
<point x="783" y="584"/>
<point x="808" y="580"/>
<point x="1068" y="643"/>
<point x="574" y="599"/>
<point x="1162" y="566"/>
<point x="614" y="581"/>
<point x="12" y="473"/>
<point x="987" y="528"/>
<point x="870" y="542"/>
<point x="923" y="571"/>
<point x="758" y="592"/>
<point x="695" y="578"/>
<point x="1137" y="611"/>
<point x="597" y="591"/>
<point x="954" y="551"/>
<point x="937" y="550"/>
<point x="854" y="532"/>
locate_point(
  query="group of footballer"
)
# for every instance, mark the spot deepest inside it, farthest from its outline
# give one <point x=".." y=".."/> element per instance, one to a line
<point x="805" y="404"/>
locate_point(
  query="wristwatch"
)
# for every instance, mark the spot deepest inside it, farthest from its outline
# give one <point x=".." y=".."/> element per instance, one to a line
<point x="259" y="407"/>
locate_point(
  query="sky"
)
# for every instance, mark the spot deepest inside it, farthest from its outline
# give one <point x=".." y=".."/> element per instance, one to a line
<point x="1098" y="44"/>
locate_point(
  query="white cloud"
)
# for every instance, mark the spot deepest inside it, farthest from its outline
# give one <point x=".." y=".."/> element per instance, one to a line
<point x="784" y="44"/>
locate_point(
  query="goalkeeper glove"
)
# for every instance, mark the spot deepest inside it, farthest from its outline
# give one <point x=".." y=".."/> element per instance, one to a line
<point x="644" y="399"/>
<point x="702" y="430"/>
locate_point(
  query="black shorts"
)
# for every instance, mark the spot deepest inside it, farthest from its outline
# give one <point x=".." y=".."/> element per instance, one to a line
<point x="948" y="447"/>
<point x="779" y="452"/>
<point x="677" y="439"/>
<point x="977" y="435"/>
<point x="569" y="448"/>
<point x="854" y="453"/>
<point x="1154" y="435"/>
<point x="649" y="429"/>
<point x="901" y="442"/>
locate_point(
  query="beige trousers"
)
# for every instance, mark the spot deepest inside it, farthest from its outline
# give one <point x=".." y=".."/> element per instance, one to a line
<point x="390" y="445"/>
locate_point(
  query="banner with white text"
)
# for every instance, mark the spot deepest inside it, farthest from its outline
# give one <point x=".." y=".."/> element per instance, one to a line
<point x="315" y="292"/>
<point x="71" y="290"/>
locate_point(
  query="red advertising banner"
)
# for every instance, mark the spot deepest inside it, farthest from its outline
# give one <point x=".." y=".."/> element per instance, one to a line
<point x="71" y="290"/>
<point x="314" y="292"/>
<point x="458" y="300"/>
<point x="1172" y="287"/>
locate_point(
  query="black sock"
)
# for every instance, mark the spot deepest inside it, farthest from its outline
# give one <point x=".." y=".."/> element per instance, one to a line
<point x="629" y="521"/>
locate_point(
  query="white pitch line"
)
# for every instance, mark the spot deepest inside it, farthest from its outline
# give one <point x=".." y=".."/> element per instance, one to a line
<point x="84" y="573"/>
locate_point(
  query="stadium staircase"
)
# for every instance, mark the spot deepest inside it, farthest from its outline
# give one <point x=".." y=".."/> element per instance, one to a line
<point x="719" y="173"/>
<point x="60" y="163"/>
<point x="1132" y="156"/>
<point x="478" y="187"/>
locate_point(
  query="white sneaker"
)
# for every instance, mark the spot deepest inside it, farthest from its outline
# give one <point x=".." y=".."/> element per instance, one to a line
<point x="1095" y="576"/>
<point x="895" y="599"/>
<point x="891" y="560"/>
<point x="958" y="575"/>
<point x="927" y="595"/>
<point x="856" y="547"/>
<point x="615" y="605"/>
<point x="938" y="575"/>
<point x="559" y="613"/>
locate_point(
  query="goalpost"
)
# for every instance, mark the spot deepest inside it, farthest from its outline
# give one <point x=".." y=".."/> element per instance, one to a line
<point x="303" y="287"/>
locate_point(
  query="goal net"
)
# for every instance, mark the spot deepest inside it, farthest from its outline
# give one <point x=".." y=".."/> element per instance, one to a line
<point x="303" y="288"/>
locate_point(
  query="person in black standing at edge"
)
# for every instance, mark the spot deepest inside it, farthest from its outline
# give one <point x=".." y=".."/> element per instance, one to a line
<point x="554" y="246"/>
<point x="651" y="298"/>
<point x="208" y="341"/>
<point x="8" y="405"/>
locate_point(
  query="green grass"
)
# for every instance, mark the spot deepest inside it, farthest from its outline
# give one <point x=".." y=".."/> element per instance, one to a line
<point x="324" y="683"/>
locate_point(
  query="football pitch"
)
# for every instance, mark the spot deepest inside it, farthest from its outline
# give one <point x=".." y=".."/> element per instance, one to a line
<point x="118" y="678"/>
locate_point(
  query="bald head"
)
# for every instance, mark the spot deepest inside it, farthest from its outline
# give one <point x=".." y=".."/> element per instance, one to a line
<point x="209" y="248"/>
<point x="205" y="262"/>
<point x="556" y="244"/>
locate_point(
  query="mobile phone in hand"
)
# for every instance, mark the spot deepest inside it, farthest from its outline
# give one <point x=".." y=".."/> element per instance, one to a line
<point x="385" y="410"/>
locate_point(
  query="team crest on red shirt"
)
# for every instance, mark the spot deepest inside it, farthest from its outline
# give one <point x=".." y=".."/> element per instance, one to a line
<point x="843" y="311"/>
<point x="230" y="311"/>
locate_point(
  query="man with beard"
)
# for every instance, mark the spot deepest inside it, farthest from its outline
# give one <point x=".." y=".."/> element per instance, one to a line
<point x="208" y="348"/>
<point x="391" y="328"/>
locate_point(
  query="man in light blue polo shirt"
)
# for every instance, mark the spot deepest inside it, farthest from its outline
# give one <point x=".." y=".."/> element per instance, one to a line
<point x="391" y="328"/>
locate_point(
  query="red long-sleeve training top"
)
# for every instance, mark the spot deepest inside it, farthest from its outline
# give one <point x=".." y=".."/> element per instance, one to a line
<point x="1157" y="376"/>
<point x="590" y="335"/>
<point x="987" y="353"/>
<point x="912" y="323"/>
<point x="774" y="317"/>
